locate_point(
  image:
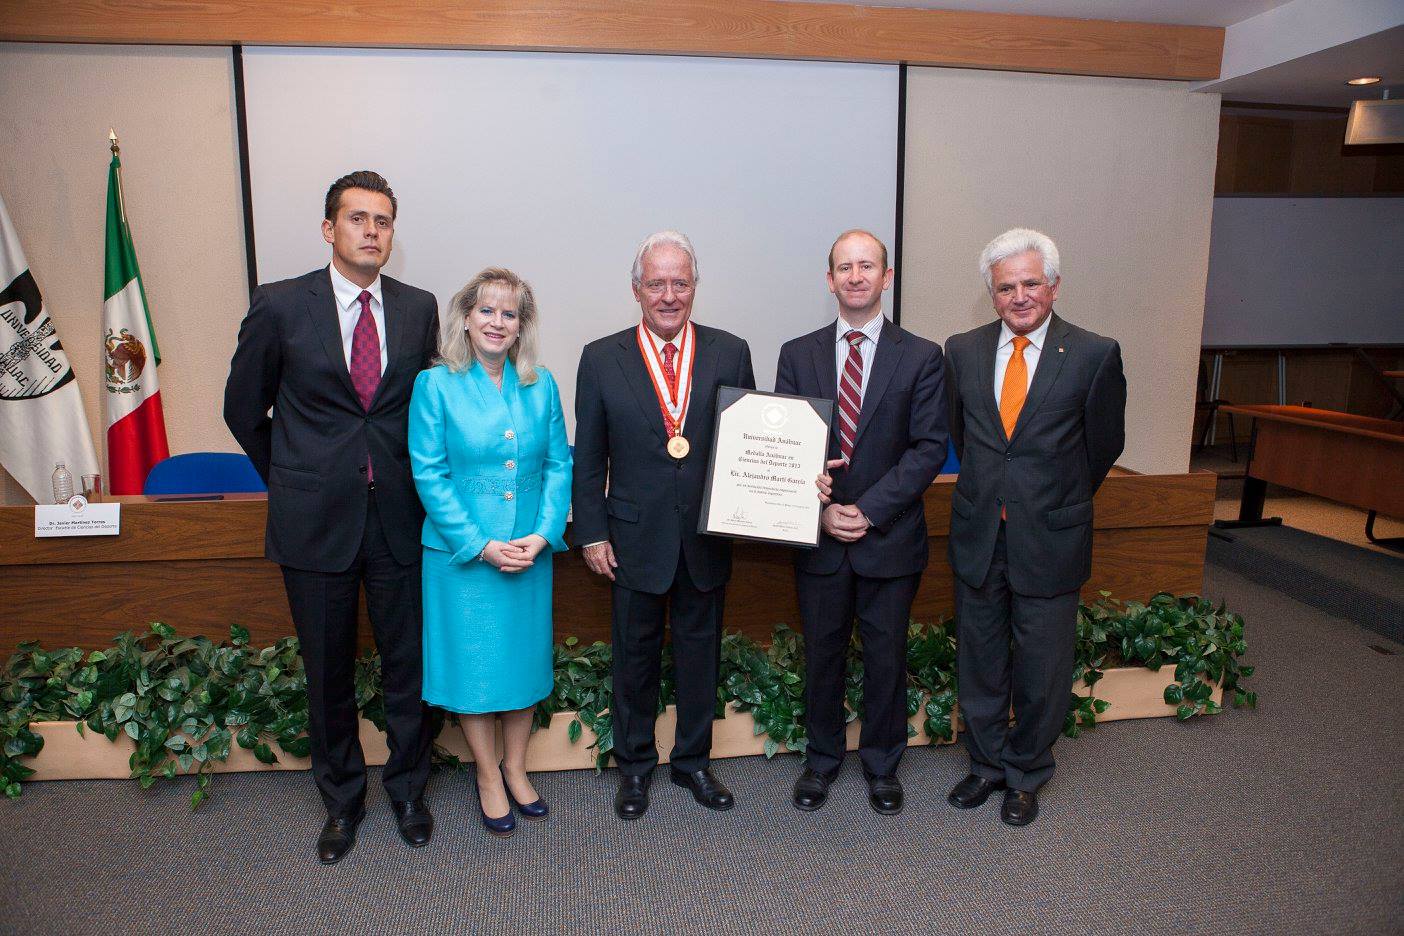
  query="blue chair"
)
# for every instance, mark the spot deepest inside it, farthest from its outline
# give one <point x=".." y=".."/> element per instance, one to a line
<point x="952" y="465"/>
<point x="203" y="473"/>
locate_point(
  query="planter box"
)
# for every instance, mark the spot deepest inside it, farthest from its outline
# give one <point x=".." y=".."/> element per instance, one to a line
<point x="70" y="756"/>
<point x="1130" y="692"/>
<point x="1136" y="692"/>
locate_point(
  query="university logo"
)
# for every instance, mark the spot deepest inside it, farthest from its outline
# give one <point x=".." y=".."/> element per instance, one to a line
<point x="32" y="362"/>
<point x="775" y="414"/>
<point x="126" y="359"/>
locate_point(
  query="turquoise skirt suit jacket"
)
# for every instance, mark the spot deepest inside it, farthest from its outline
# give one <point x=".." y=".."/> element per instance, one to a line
<point x="489" y="464"/>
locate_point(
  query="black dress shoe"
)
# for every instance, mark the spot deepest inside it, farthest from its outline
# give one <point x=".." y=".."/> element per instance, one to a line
<point x="631" y="801"/>
<point x="812" y="789"/>
<point x="415" y="821"/>
<point x="885" y="795"/>
<point x="1020" y="807"/>
<point x="706" y="789"/>
<point x="337" y="837"/>
<point x="973" y="791"/>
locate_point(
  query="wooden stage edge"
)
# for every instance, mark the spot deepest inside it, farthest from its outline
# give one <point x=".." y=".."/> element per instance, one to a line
<point x="199" y="567"/>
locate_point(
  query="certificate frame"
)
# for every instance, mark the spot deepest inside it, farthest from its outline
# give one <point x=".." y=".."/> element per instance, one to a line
<point x="727" y="398"/>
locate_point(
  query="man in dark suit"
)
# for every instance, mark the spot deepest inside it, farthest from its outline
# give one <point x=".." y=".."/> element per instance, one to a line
<point x="645" y="402"/>
<point x="335" y="354"/>
<point x="1037" y="411"/>
<point x="887" y="444"/>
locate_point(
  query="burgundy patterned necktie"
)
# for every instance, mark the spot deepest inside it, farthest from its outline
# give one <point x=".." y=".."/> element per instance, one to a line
<point x="365" y="362"/>
<point x="365" y="354"/>
<point x="850" y="401"/>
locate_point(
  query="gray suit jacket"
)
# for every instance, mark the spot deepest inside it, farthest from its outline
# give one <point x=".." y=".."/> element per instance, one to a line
<point x="1069" y="434"/>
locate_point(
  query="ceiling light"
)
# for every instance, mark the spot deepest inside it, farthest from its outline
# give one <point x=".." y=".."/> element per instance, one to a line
<point x="1370" y="79"/>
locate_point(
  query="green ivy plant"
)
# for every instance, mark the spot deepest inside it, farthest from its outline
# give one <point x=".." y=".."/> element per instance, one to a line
<point x="1202" y="642"/>
<point x="184" y="701"/>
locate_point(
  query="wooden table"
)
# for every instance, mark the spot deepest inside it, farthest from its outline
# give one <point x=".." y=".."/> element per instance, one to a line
<point x="199" y="567"/>
<point x="1356" y="460"/>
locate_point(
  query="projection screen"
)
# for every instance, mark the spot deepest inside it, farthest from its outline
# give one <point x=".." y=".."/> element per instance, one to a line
<point x="557" y="165"/>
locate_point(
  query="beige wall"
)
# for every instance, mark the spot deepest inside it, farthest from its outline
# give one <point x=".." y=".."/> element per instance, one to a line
<point x="173" y="110"/>
<point x="1119" y="172"/>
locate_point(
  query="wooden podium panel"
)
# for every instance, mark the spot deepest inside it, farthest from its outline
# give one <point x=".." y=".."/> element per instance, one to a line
<point x="199" y="567"/>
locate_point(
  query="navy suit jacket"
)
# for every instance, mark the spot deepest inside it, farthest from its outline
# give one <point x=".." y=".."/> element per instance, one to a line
<point x="312" y="451"/>
<point x="900" y="446"/>
<point x="1069" y="434"/>
<point x="654" y="500"/>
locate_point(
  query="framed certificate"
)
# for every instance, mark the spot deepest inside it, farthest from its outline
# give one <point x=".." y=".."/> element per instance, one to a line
<point x="767" y="449"/>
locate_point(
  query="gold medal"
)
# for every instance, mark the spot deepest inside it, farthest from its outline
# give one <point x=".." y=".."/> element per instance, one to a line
<point x="678" y="447"/>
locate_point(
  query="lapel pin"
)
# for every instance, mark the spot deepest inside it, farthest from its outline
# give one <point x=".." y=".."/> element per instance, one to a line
<point x="1060" y="350"/>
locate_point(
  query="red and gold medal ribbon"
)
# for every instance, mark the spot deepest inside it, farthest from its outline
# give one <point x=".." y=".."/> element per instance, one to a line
<point x="673" y="427"/>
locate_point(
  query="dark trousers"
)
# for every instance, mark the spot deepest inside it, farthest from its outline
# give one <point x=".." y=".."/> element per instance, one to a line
<point x="324" y="610"/>
<point x="828" y="605"/>
<point x="695" y="623"/>
<point x="1017" y="650"/>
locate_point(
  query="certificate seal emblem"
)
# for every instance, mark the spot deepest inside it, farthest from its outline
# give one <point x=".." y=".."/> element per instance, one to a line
<point x="775" y="414"/>
<point x="678" y="447"/>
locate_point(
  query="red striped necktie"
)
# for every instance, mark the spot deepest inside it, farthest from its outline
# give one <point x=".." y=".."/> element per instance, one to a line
<point x="850" y="401"/>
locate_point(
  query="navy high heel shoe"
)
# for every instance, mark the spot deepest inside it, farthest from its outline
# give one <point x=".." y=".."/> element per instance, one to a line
<point x="534" y="811"/>
<point x="501" y="827"/>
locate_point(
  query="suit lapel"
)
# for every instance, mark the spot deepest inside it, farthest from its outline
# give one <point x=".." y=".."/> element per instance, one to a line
<point x="321" y="305"/>
<point x="986" y="345"/>
<point x="1050" y="364"/>
<point x="394" y="331"/>
<point x="889" y="352"/>
<point x="635" y="371"/>
<point x="704" y="378"/>
<point x="826" y="372"/>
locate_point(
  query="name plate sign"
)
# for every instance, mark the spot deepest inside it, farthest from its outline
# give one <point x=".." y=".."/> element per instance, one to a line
<point x="77" y="518"/>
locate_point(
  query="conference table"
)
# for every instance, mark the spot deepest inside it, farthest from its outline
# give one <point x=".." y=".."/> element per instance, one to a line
<point x="1350" y="459"/>
<point x="198" y="566"/>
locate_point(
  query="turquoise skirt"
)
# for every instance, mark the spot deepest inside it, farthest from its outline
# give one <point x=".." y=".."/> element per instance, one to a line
<point x="487" y="635"/>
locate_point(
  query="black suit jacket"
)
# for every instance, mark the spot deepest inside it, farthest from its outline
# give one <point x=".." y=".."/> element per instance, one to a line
<point x="1069" y="434"/>
<point x="900" y="446"/>
<point x="652" y="507"/>
<point x="312" y="450"/>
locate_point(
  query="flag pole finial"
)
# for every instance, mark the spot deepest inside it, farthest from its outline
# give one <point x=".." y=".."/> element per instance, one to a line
<point x="112" y="139"/>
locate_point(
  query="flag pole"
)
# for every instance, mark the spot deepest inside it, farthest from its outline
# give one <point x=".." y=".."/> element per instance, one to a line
<point x="117" y="155"/>
<point x="102" y="344"/>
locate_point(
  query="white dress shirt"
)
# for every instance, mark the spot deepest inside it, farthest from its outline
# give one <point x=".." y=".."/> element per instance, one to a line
<point x="867" y="350"/>
<point x="348" y="310"/>
<point x="1005" y="351"/>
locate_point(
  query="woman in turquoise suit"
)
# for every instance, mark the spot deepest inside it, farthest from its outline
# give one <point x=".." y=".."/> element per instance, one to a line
<point x="488" y="446"/>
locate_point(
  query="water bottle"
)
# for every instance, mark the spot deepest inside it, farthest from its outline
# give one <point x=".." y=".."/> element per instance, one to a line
<point x="63" y="484"/>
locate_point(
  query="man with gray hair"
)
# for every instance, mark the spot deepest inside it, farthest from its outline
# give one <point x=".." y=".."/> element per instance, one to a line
<point x="1037" y="416"/>
<point x="645" y="404"/>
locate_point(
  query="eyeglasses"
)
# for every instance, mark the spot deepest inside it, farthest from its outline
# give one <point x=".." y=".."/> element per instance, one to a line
<point x="658" y="287"/>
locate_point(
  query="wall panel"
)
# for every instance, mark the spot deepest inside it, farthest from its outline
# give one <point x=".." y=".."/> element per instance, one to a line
<point x="1119" y="173"/>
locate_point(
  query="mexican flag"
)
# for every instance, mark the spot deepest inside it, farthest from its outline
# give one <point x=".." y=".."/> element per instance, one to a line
<point x="136" y="428"/>
<point x="41" y="411"/>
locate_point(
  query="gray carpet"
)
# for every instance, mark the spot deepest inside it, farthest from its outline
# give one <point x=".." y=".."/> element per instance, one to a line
<point x="1359" y="585"/>
<point x="1287" y="820"/>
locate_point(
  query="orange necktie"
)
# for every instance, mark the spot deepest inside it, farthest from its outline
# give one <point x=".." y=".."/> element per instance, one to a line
<point x="1016" y="387"/>
<point x="1013" y="393"/>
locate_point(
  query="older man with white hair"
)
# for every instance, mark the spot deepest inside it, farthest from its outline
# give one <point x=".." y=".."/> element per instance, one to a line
<point x="645" y="404"/>
<point x="1037" y="416"/>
